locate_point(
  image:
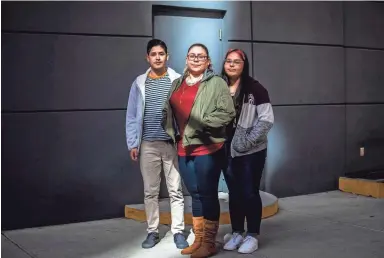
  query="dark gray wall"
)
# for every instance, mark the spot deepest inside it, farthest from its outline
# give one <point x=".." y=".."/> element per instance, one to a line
<point x="67" y="69"/>
<point x="323" y="64"/>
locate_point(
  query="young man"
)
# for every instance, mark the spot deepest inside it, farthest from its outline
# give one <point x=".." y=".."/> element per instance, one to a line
<point x="146" y="136"/>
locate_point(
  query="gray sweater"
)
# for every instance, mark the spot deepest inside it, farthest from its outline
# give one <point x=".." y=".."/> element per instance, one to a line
<point x="255" y="121"/>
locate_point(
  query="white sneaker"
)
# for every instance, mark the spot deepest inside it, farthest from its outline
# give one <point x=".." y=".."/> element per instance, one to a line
<point x="234" y="242"/>
<point x="227" y="237"/>
<point x="249" y="245"/>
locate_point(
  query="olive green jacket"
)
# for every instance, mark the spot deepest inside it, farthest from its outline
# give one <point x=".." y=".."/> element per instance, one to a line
<point x="211" y="112"/>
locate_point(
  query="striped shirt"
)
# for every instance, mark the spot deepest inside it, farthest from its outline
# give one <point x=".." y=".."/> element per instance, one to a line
<point x="156" y="93"/>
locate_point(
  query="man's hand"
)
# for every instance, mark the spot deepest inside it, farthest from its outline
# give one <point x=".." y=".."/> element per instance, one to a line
<point x="134" y="154"/>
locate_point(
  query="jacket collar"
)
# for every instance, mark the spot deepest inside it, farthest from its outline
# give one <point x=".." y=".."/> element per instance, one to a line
<point x="173" y="75"/>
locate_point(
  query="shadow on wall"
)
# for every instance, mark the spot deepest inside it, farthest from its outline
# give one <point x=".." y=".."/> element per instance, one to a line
<point x="44" y="188"/>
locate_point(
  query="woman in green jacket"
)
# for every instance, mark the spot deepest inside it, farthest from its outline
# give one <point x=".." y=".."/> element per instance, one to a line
<point x="196" y="115"/>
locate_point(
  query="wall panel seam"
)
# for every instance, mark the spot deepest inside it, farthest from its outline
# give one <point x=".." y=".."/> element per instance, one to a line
<point x="303" y="44"/>
<point x="74" y="34"/>
<point x="61" y="110"/>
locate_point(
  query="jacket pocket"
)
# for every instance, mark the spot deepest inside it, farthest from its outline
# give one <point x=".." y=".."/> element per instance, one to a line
<point x="240" y="141"/>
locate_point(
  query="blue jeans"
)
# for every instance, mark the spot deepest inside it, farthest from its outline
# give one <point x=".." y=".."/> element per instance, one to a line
<point x="201" y="176"/>
<point x="243" y="175"/>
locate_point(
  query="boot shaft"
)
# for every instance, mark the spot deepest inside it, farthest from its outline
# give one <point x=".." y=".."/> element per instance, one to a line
<point x="210" y="231"/>
<point x="208" y="246"/>
<point x="198" y="226"/>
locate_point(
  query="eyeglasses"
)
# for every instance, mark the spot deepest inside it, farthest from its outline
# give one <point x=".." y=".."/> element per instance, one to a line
<point x="192" y="57"/>
<point x="235" y="62"/>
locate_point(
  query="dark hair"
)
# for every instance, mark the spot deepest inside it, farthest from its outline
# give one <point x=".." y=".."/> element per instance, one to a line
<point x="243" y="76"/>
<point x="156" y="42"/>
<point x="245" y="73"/>
<point x="205" y="49"/>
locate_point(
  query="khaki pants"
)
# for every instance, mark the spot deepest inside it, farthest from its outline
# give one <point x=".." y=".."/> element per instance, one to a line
<point x="154" y="156"/>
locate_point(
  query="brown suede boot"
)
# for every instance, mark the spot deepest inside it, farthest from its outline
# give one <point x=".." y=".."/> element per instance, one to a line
<point x="198" y="226"/>
<point x="208" y="247"/>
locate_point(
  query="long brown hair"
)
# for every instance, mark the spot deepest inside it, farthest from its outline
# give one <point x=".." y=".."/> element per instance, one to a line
<point x="244" y="77"/>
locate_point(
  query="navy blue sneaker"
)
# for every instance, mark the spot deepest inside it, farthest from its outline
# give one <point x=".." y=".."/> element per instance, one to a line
<point x="151" y="240"/>
<point x="180" y="241"/>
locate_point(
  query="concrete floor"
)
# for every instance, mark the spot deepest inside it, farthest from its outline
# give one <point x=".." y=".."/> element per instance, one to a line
<point x="331" y="225"/>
